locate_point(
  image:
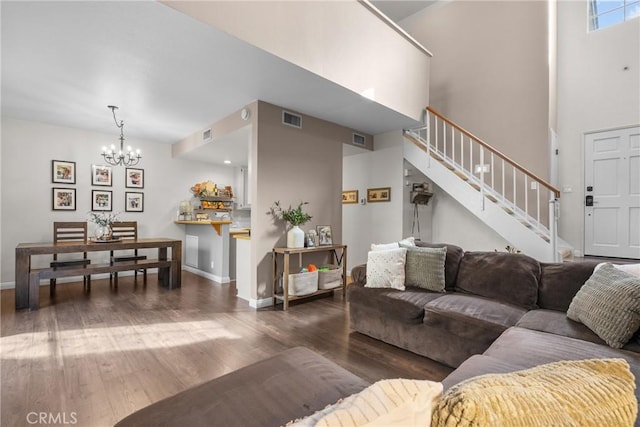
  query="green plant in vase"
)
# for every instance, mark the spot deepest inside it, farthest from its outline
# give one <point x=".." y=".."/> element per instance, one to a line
<point x="294" y="216"/>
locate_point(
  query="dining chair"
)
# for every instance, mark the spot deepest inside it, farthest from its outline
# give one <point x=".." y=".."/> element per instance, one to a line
<point x="127" y="230"/>
<point x="69" y="232"/>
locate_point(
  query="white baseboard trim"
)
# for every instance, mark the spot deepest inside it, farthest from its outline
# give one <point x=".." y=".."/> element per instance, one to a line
<point x="45" y="282"/>
<point x="206" y="275"/>
<point x="260" y="303"/>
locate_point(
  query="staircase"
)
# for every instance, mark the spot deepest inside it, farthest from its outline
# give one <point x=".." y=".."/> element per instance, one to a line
<point x="518" y="205"/>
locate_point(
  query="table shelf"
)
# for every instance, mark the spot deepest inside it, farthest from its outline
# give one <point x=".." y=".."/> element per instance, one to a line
<point x="286" y="253"/>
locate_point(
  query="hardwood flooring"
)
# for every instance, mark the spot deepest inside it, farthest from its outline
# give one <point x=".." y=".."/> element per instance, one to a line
<point x="90" y="359"/>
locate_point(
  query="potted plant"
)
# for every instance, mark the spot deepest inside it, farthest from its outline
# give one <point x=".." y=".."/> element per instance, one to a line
<point x="104" y="221"/>
<point x="294" y="216"/>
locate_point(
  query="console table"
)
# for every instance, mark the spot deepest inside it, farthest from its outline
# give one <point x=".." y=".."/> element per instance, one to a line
<point x="286" y="253"/>
<point x="28" y="278"/>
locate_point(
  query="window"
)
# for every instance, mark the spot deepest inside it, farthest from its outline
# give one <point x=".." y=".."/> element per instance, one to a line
<point x="605" y="13"/>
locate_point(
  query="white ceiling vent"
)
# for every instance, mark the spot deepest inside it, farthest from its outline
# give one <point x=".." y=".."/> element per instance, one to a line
<point x="291" y="119"/>
<point x="359" y="140"/>
<point x="206" y="135"/>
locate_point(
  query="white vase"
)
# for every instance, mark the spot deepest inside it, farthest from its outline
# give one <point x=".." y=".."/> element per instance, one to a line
<point x="295" y="238"/>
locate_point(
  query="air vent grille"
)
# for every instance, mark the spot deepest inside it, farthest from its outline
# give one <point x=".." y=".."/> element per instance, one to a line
<point x="291" y="119"/>
<point x="206" y="135"/>
<point x="359" y="140"/>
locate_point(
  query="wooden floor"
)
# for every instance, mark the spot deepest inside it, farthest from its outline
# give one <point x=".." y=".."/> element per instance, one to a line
<point x="97" y="357"/>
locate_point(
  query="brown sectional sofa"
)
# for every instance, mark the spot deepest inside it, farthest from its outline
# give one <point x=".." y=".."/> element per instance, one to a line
<point x="501" y="312"/>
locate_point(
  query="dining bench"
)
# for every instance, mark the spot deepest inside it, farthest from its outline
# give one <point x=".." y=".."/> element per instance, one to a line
<point x="36" y="275"/>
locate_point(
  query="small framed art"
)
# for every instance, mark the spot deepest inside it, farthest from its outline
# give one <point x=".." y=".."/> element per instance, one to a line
<point x="101" y="200"/>
<point x="134" y="178"/>
<point x="378" y="194"/>
<point x="325" y="237"/>
<point x="349" y="196"/>
<point x="63" y="172"/>
<point x="101" y="175"/>
<point x="63" y="199"/>
<point x="133" y="201"/>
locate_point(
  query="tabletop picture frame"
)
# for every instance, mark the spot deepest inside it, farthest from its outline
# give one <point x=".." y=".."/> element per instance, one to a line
<point x="134" y="178"/>
<point x="133" y="201"/>
<point x="101" y="175"/>
<point x="325" y="236"/>
<point x="63" y="172"/>
<point x="63" y="199"/>
<point x="102" y="200"/>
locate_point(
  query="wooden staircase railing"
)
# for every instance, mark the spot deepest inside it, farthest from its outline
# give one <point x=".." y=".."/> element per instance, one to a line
<point x="498" y="178"/>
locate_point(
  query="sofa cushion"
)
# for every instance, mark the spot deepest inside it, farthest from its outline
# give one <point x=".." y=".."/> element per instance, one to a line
<point x="478" y="364"/>
<point x="476" y="318"/>
<point x="292" y="384"/>
<point x="594" y="392"/>
<point x="531" y="348"/>
<point x="511" y="278"/>
<point x="425" y="268"/>
<point x="406" y="306"/>
<point x="385" y="268"/>
<point x="451" y="263"/>
<point x="609" y="304"/>
<point x="560" y="282"/>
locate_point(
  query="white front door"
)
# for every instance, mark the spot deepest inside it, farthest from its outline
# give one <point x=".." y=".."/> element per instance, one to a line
<point x="612" y="193"/>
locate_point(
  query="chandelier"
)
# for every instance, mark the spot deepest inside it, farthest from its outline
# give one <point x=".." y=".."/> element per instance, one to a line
<point x="121" y="157"/>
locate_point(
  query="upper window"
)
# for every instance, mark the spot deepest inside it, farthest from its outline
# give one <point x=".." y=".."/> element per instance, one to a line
<point x="605" y="13"/>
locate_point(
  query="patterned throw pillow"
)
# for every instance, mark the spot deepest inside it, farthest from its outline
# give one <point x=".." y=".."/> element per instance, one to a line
<point x="385" y="269"/>
<point x="586" y="393"/>
<point x="395" y="402"/>
<point x="608" y="304"/>
<point x="425" y="268"/>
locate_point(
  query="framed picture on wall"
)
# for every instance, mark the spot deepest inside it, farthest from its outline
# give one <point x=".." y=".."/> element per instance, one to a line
<point x="63" y="199"/>
<point x="378" y="194"/>
<point x="349" y="196"/>
<point x="325" y="237"/>
<point x="63" y="172"/>
<point x="101" y="175"/>
<point x="101" y="200"/>
<point x="134" y="178"/>
<point x="133" y="201"/>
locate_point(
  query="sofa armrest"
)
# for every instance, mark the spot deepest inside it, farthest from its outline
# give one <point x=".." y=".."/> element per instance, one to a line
<point x="359" y="274"/>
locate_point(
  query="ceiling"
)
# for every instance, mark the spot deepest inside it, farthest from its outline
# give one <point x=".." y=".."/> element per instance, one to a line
<point x="397" y="10"/>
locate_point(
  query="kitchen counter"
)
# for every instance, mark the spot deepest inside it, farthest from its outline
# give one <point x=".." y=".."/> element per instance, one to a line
<point x="215" y="224"/>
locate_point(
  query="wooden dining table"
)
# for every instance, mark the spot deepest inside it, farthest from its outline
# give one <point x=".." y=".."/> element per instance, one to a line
<point x="28" y="278"/>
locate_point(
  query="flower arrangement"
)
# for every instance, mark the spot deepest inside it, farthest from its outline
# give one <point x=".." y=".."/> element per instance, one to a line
<point x="104" y="219"/>
<point x="294" y="216"/>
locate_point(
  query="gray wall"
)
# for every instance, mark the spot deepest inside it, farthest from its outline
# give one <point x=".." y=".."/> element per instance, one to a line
<point x="293" y="165"/>
<point x="27" y="151"/>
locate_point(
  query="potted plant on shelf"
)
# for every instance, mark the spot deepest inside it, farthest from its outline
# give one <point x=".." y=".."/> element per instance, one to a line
<point x="294" y="216"/>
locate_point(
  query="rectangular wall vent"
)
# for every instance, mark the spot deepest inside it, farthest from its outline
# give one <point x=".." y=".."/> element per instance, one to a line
<point x="206" y="135"/>
<point x="291" y="119"/>
<point x="359" y="140"/>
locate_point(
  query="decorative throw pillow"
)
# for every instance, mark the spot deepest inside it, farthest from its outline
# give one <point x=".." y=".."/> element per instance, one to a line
<point x="633" y="269"/>
<point x="404" y="243"/>
<point x="385" y="269"/>
<point x="608" y="304"/>
<point x="596" y="392"/>
<point x="425" y="268"/>
<point x="396" y="402"/>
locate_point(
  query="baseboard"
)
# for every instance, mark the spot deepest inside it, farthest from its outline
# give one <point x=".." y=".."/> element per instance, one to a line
<point x="45" y="282"/>
<point x="260" y="303"/>
<point x="210" y="276"/>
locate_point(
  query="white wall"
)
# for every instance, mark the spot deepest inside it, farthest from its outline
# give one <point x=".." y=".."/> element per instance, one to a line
<point x="380" y="222"/>
<point x="27" y="216"/>
<point x="341" y="41"/>
<point x="595" y="92"/>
